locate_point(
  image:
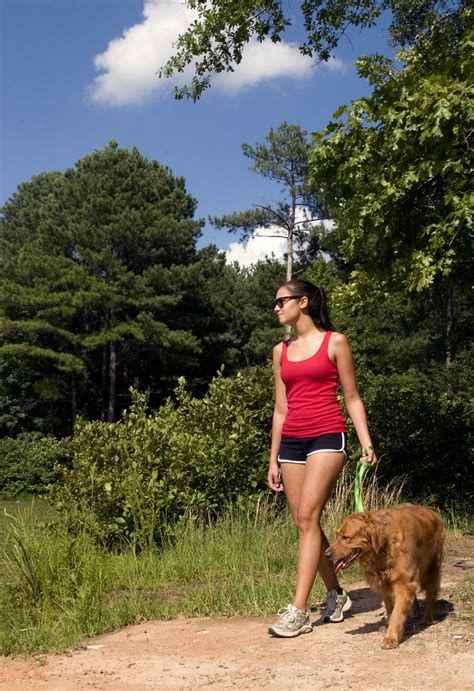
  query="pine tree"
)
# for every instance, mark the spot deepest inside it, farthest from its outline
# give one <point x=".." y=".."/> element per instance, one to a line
<point x="90" y="279"/>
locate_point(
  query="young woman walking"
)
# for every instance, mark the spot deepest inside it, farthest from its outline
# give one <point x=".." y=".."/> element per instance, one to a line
<point x="309" y="439"/>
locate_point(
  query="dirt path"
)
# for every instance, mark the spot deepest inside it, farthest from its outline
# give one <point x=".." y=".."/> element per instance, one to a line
<point x="236" y="652"/>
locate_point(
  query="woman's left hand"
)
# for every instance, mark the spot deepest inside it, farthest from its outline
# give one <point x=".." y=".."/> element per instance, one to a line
<point x="368" y="455"/>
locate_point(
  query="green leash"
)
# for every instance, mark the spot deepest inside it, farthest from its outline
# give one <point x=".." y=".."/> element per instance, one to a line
<point x="360" y="472"/>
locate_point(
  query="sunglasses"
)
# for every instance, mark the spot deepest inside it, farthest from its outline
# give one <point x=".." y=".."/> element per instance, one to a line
<point x="281" y="302"/>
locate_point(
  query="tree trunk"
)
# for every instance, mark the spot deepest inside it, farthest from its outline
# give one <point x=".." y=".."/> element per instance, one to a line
<point x="289" y="241"/>
<point x="289" y="265"/>
<point x="73" y="400"/>
<point x="112" y="381"/>
<point x="289" y="253"/>
<point x="103" y="405"/>
<point x="289" y="260"/>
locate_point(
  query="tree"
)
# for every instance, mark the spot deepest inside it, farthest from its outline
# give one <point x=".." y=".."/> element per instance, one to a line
<point x="419" y="407"/>
<point x="254" y="324"/>
<point x="39" y="285"/>
<point x="393" y="171"/>
<point x="216" y="39"/>
<point x="284" y="159"/>
<point x="90" y="276"/>
<point x="230" y="311"/>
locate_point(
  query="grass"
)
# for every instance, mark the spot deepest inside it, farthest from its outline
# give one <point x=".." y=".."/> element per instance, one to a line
<point x="60" y="588"/>
<point x="10" y="508"/>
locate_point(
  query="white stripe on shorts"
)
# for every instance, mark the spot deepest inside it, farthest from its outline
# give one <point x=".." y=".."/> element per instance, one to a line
<point x="311" y="453"/>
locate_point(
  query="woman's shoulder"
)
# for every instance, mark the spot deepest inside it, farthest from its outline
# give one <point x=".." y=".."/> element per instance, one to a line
<point x="277" y="353"/>
<point x="338" y="339"/>
<point x="283" y="344"/>
<point x="277" y="350"/>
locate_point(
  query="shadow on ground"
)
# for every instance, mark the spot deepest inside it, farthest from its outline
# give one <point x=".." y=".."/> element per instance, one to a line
<point x="414" y="624"/>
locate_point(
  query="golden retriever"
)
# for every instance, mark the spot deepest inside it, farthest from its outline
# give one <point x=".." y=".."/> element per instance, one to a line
<point x="399" y="549"/>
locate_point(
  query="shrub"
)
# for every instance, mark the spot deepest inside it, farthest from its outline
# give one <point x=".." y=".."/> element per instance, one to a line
<point x="422" y="425"/>
<point x="30" y="462"/>
<point x="145" y="472"/>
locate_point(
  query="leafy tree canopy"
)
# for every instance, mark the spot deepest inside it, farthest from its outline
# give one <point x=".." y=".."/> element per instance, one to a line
<point x="216" y="39"/>
<point x="394" y="169"/>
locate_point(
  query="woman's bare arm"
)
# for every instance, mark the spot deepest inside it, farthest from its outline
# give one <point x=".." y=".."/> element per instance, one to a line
<point x="342" y="356"/>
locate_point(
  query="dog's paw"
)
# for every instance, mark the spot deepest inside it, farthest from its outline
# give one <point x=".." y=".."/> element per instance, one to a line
<point x="389" y="642"/>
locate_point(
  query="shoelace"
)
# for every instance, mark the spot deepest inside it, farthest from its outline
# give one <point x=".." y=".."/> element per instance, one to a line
<point x="285" y="613"/>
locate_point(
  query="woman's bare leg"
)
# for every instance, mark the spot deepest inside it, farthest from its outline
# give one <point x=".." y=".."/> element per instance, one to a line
<point x="307" y="488"/>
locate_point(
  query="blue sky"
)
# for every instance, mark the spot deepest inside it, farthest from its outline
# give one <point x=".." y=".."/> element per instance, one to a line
<point x="77" y="73"/>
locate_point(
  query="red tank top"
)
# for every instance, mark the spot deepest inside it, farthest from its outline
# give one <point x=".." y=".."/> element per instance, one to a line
<point x="311" y="384"/>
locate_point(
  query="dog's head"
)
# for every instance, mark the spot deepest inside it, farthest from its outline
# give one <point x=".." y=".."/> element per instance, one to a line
<point x="359" y="534"/>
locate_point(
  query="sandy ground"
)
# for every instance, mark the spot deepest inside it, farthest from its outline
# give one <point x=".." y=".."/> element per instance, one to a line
<point x="237" y="652"/>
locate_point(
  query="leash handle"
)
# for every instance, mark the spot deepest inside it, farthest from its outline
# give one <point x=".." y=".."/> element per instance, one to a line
<point x="360" y="472"/>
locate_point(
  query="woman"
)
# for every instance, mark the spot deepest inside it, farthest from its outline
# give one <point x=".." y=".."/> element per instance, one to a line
<point x="309" y="439"/>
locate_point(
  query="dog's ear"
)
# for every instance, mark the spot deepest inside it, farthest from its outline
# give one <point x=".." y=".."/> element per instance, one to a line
<point x="375" y="531"/>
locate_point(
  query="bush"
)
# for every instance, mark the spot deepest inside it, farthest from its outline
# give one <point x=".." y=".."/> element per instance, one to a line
<point x="422" y="426"/>
<point x="139" y="475"/>
<point x="30" y="462"/>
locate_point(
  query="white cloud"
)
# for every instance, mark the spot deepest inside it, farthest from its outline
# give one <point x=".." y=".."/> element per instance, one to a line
<point x="263" y="62"/>
<point x="257" y="248"/>
<point x="129" y="64"/>
<point x="260" y="246"/>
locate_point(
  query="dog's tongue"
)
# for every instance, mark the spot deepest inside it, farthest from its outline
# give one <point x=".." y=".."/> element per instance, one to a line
<point x="347" y="561"/>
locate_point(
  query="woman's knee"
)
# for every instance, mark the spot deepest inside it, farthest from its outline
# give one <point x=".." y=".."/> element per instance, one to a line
<point x="307" y="521"/>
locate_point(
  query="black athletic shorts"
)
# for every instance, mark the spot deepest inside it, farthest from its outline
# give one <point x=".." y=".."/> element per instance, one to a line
<point x="297" y="449"/>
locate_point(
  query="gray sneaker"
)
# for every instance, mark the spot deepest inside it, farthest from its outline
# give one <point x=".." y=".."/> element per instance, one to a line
<point x="291" y="622"/>
<point x="336" y="605"/>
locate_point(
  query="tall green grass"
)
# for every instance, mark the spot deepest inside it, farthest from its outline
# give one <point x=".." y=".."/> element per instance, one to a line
<point x="59" y="586"/>
<point x="59" y="589"/>
<point x="9" y="508"/>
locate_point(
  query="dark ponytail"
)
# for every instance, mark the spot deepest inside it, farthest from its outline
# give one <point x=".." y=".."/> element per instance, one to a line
<point x="317" y="302"/>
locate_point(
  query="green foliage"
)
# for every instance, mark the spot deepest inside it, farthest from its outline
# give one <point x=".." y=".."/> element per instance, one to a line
<point x="419" y="402"/>
<point x="215" y="41"/>
<point x="230" y="311"/>
<point x="422" y="428"/>
<point x="251" y="318"/>
<point x="140" y="475"/>
<point x="394" y="171"/>
<point x="390" y="330"/>
<point x="102" y="287"/>
<point x="28" y="391"/>
<point x="30" y="462"/>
